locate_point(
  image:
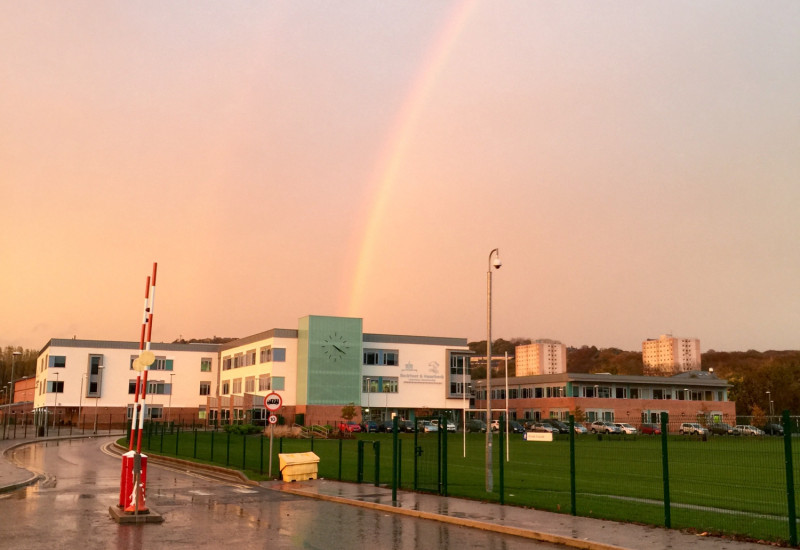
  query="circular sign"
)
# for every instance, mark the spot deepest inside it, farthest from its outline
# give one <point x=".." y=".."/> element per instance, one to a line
<point x="137" y="365"/>
<point x="273" y="402"/>
<point x="147" y="358"/>
<point x="273" y="419"/>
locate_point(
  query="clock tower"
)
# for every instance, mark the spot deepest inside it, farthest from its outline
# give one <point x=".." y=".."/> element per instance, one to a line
<point x="329" y="357"/>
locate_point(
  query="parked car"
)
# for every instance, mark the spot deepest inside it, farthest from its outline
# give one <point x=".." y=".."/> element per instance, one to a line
<point x="426" y="426"/>
<point x="721" y="428"/>
<point x="559" y="426"/>
<point x="692" y="428"/>
<point x="543" y="428"/>
<point x="581" y="429"/>
<point x="388" y="426"/>
<point x="626" y="428"/>
<point x="515" y="427"/>
<point x="406" y="426"/>
<point x="748" y="429"/>
<point x="369" y="426"/>
<point x="450" y="427"/>
<point x="650" y="429"/>
<point x="773" y="429"/>
<point x="350" y="427"/>
<point x="603" y="426"/>
<point x="475" y="425"/>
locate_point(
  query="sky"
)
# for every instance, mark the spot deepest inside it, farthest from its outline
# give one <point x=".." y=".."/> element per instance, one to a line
<point x="635" y="163"/>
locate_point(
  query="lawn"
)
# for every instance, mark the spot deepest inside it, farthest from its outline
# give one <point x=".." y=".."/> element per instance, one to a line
<point x="731" y="485"/>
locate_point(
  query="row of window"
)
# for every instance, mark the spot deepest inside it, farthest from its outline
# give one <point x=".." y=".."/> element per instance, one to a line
<point x="265" y="383"/>
<point x="602" y="392"/>
<point x="389" y="357"/>
<point x="267" y="354"/>
<point x="96" y="362"/>
<point x="379" y="384"/>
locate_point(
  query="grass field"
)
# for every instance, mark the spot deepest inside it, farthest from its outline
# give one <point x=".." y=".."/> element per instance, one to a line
<point x="730" y="485"/>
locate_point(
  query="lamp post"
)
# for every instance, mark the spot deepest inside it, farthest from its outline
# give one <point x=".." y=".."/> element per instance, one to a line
<point x="13" y="362"/>
<point x="80" y="401"/>
<point x="169" y="404"/>
<point x="769" y="398"/>
<point x="97" y="394"/>
<point x="369" y="381"/>
<point x="496" y="264"/>
<point x="55" y="399"/>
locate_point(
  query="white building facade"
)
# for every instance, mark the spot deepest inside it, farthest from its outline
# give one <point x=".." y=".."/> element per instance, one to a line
<point x="541" y="357"/>
<point x="670" y="355"/>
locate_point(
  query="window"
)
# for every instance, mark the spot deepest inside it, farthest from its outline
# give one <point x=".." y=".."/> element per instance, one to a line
<point x="238" y="360"/>
<point x="279" y="355"/>
<point x="205" y="388"/>
<point x="265" y="355"/>
<point x="278" y="382"/>
<point x="161" y="363"/>
<point x="226" y="363"/>
<point x="379" y="384"/>
<point x="55" y="386"/>
<point x="459" y="364"/>
<point x="201" y="412"/>
<point x="250" y="384"/>
<point x="226" y="387"/>
<point x="237" y="385"/>
<point x="205" y="364"/>
<point x="95" y="369"/>
<point x="658" y="393"/>
<point x="57" y="361"/>
<point x="158" y="387"/>
<point x="264" y="383"/>
<point x="131" y="387"/>
<point x="389" y="357"/>
<point x="155" y="411"/>
<point x="635" y="393"/>
<point x="621" y="393"/>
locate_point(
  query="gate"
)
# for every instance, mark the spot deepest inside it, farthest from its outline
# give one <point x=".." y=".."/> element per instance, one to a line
<point x="430" y="452"/>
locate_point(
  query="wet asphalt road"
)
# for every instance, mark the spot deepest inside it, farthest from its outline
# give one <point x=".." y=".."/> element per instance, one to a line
<point x="69" y="509"/>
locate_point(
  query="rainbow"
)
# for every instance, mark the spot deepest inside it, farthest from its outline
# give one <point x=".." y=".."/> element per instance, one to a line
<point x="392" y="153"/>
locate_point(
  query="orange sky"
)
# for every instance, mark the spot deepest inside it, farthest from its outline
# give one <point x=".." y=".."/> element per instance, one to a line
<point x="636" y="164"/>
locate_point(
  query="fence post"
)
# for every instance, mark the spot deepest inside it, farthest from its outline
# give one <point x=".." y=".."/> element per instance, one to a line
<point x="443" y="422"/>
<point x="416" y="449"/>
<point x="194" y="454"/>
<point x="787" y="448"/>
<point x="360" y="462"/>
<point x="212" y="446"/>
<point x="572" y="465"/>
<point x="501" y="448"/>
<point x="244" y="451"/>
<point x="177" y="438"/>
<point x="376" y="447"/>
<point x="394" y="459"/>
<point x="340" y="459"/>
<point x="665" y="469"/>
<point x="228" y="450"/>
<point x="261" y="455"/>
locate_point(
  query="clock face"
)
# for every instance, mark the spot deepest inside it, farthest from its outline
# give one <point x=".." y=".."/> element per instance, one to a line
<point x="335" y="346"/>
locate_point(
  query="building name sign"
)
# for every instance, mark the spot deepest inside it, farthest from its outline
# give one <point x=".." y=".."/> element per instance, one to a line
<point x="429" y="375"/>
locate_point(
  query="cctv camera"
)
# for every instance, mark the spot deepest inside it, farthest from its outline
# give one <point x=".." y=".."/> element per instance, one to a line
<point x="497" y="263"/>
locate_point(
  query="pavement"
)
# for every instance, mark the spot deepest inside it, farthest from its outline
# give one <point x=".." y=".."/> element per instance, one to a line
<point x="574" y="532"/>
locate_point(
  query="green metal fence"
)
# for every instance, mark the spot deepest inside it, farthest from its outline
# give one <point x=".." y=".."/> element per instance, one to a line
<point x="742" y="485"/>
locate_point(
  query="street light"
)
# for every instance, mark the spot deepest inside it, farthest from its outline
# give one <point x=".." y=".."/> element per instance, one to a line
<point x="55" y="401"/>
<point x="369" y="381"/>
<point x="769" y="398"/>
<point x="13" y="362"/>
<point x="496" y="264"/>
<point x="80" y="401"/>
<point x="97" y="394"/>
<point x="169" y="404"/>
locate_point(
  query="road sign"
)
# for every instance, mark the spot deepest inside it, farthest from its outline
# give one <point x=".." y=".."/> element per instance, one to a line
<point x="273" y="402"/>
<point x="273" y="419"/>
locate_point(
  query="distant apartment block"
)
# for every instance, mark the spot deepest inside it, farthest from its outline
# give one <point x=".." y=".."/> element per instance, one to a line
<point x="671" y="355"/>
<point x="541" y="357"/>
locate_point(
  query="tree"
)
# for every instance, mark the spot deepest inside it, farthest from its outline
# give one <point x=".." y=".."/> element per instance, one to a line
<point x="349" y="411"/>
<point x="580" y="416"/>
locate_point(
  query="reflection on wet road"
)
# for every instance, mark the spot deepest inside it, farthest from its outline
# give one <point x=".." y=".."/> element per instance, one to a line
<point x="69" y="509"/>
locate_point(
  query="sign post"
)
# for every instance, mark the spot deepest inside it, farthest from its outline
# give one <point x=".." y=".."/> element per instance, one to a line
<point x="273" y="403"/>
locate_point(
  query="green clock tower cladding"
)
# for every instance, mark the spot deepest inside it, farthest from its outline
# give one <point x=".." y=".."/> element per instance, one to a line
<point x="329" y="360"/>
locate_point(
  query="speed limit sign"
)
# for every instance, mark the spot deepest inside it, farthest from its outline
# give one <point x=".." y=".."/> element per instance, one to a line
<point x="272" y="402"/>
<point x="273" y="419"/>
